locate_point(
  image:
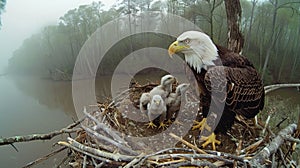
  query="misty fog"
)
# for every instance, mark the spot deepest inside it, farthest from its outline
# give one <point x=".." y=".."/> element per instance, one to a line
<point x="21" y="19"/>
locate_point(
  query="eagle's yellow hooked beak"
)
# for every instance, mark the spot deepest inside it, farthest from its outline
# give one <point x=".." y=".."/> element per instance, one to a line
<point x="175" y="48"/>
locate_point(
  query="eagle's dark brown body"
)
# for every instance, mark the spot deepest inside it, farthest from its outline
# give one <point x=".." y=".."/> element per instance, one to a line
<point x="239" y="88"/>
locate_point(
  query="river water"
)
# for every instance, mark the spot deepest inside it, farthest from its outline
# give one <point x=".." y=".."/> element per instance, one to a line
<point x="31" y="105"/>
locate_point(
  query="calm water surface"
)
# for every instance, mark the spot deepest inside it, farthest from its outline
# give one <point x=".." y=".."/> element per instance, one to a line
<point x="29" y="106"/>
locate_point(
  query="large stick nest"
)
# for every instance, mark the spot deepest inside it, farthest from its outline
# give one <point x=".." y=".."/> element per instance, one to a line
<point x="116" y="135"/>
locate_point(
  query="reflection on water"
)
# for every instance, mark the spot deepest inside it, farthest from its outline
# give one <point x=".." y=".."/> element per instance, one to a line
<point x="29" y="106"/>
<point x="53" y="94"/>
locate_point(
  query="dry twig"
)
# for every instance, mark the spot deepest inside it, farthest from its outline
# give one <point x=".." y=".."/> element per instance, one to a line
<point x="104" y="127"/>
<point x="109" y="140"/>
<point x="44" y="157"/>
<point x="187" y="143"/>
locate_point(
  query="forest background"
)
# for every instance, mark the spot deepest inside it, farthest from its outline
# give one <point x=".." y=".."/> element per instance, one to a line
<point x="271" y="30"/>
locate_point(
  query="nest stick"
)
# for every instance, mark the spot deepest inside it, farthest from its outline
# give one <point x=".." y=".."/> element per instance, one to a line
<point x="170" y="150"/>
<point x="227" y="155"/>
<point x="109" y="140"/>
<point x="39" y="160"/>
<point x="273" y="164"/>
<point x="83" y="151"/>
<point x="189" y="155"/>
<point x="197" y="163"/>
<point x="114" y="156"/>
<point x="281" y="154"/>
<point x="84" y="161"/>
<point x="252" y="146"/>
<point x="95" y="153"/>
<point x="172" y="162"/>
<point x="136" y="161"/>
<point x="187" y="143"/>
<point x="266" y="124"/>
<point x="97" y="165"/>
<point x="292" y="139"/>
<point x="100" y="125"/>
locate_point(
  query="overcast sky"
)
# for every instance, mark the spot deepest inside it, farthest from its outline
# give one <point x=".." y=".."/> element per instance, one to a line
<point x="22" y="18"/>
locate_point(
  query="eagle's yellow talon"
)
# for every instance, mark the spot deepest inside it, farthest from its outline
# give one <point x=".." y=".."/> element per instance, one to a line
<point x="201" y="125"/>
<point x="169" y="121"/>
<point x="162" y="125"/>
<point x="178" y="122"/>
<point x="210" y="139"/>
<point x="151" y="124"/>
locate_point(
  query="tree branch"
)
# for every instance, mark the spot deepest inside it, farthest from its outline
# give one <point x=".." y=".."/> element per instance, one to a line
<point x="283" y="5"/>
<point x="270" y="88"/>
<point x="26" y="138"/>
<point x="48" y="136"/>
<point x="267" y="151"/>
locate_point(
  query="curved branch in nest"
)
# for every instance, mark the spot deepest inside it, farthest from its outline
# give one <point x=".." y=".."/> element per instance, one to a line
<point x="270" y="88"/>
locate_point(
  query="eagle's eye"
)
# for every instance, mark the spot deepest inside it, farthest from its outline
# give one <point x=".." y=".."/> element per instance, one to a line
<point x="187" y="41"/>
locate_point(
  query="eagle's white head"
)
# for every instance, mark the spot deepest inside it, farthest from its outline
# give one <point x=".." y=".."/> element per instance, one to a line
<point x="197" y="47"/>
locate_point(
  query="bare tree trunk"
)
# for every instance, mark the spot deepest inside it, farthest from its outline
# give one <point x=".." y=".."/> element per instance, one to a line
<point x="272" y="41"/>
<point x="235" y="37"/>
<point x="212" y="7"/>
<point x="296" y="58"/>
<point x="289" y="47"/>
<point x="273" y="38"/>
<point x="254" y="2"/>
<point x="2" y="6"/>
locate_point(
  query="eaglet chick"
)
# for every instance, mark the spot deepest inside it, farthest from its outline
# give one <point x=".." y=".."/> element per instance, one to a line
<point x="165" y="87"/>
<point x="156" y="107"/>
<point x="144" y="100"/>
<point x="174" y="100"/>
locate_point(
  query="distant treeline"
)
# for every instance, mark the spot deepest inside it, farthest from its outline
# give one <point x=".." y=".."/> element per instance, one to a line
<point x="2" y="6"/>
<point x="271" y="30"/>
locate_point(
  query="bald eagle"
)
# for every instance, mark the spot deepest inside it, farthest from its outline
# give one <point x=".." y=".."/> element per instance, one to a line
<point x="239" y="87"/>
